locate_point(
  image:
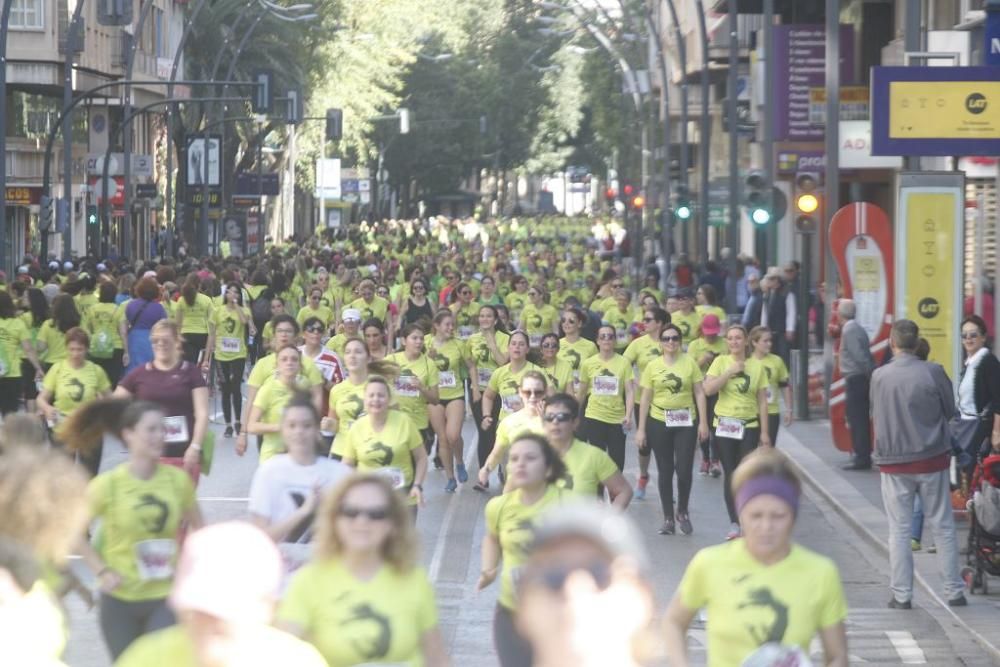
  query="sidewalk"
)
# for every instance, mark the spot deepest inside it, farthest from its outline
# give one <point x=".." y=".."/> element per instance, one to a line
<point x="857" y="496"/>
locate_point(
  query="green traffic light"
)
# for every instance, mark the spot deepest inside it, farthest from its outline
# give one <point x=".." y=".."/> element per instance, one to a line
<point x="760" y="216"/>
<point x="683" y="212"/>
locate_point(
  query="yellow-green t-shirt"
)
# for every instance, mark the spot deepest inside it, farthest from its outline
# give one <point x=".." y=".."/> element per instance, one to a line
<point x="347" y="404"/>
<point x="673" y="385"/>
<point x="71" y="387"/>
<point x="386" y="452"/>
<point x="466" y="320"/>
<point x="272" y="398"/>
<point x="512" y="523"/>
<point x="559" y="376"/>
<point x="324" y="314"/>
<point x="101" y="322"/>
<point x="13" y="333"/>
<point x="777" y="377"/>
<point x="352" y="621"/>
<point x="622" y="322"/>
<point x="538" y="321"/>
<point x="738" y="397"/>
<point x="513" y="427"/>
<point x="195" y="316"/>
<point x="587" y="467"/>
<point x="377" y="309"/>
<point x="84" y="300"/>
<point x="449" y="357"/>
<point x="139" y="523"/>
<point x="479" y="352"/>
<point x="230" y="333"/>
<point x="575" y="353"/>
<point x="173" y="646"/>
<point x="337" y="343"/>
<point x="406" y="394"/>
<point x="55" y="342"/>
<point x="688" y="323"/>
<point x="507" y="384"/>
<point x="699" y="347"/>
<point x="267" y="366"/>
<point x="712" y="310"/>
<point x="751" y="603"/>
<point x="515" y="302"/>
<point x="641" y="351"/>
<point x="604" y="384"/>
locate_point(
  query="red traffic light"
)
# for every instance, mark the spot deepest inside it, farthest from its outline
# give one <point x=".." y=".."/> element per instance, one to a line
<point x="629" y="190"/>
<point x="610" y="193"/>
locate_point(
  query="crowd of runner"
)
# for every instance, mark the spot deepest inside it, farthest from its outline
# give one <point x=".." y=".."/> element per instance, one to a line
<point x="347" y="366"/>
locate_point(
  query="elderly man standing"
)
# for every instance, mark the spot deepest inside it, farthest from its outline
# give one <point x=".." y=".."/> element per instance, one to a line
<point x="856" y="365"/>
<point x="912" y="403"/>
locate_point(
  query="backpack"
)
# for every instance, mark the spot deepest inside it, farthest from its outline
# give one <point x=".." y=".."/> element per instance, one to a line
<point x="260" y="308"/>
<point x="102" y="345"/>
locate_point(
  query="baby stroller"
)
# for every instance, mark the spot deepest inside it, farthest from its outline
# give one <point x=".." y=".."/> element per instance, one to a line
<point x="984" y="525"/>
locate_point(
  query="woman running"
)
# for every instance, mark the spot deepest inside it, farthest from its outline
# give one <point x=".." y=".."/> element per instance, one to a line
<point x="52" y="336"/>
<point x="365" y="575"/>
<point x="607" y="389"/>
<point x="486" y="351"/>
<point x="417" y="384"/>
<point x="447" y="416"/>
<point x="639" y="353"/>
<point x="506" y="380"/>
<point x="347" y="399"/>
<point x="537" y="317"/>
<point x="517" y="299"/>
<point x="417" y="308"/>
<point x="526" y="420"/>
<point x="621" y="316"/>
<point x="271" y="399"/>
<point x="143" y="506"/>
<point x="777" y="380"/>
<point x="573" y="348"/>
<point x="488" y="292"/>
<point x="559" y="372"/>
<point x="69" y="384"/>
<point x="36" y="311"/>
<point x="385" y="442"/>
<point x="740" y="412"/>
<point x="102" y="323"/>
<point x="15" y="345"/>
<point x="466" y="311"/>
<point x="705" y="349"/>
<point x="227" y="336"/>
<point x="672" y="388"/>
<point x="193" y="312"/>
<point x="374" y="334"/>
<point x="535" y="468"/>
<point x="141" y="313"/>
<point x="314" y="308"/>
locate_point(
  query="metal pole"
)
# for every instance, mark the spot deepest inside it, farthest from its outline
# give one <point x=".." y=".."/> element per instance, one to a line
<point x="913" y="42"/>
<point x="802" y="315"/>
<point x="832" y="171"/>
<point x="771" y="230"/>
<point x="705" y="140"/>
<point x="682" y="57"/>
<point x="260" y="188"/>
<point x="127" y="136"/>
<point x="733" y="229"/>
<point x="71" y="37"/>
<point x="978" y="272"/>
<point x="4" y="25"/>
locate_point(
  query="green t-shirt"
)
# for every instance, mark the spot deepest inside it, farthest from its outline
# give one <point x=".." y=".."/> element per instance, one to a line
<point x="507" y="384"/>
<point x="777" y="378"/>
<point x="699" y="347"/>
<point x="559" y="376"/>
<point x="230" y="333"/>
<point x="738" y="397"/>
<point x="385" y="452"/>
<point x="55" y="343"/>
<point x="479" y="352"/>
<point x="196" y="316"/>
<point x="347" y="404"/>
<point x="102" y="322"/>
<point x="688" y="323"/>
<point x="604" y="383"/>
<point x="406" y="393"/>
<point x="72" y="387"/>
<point x="672" y="386"/>
<point x="272" y="398"/>
<point x="173" y="646"/>
<point x="13" y="333"/>
<point x="267" y="366"/>
<point x="449" y="357"/>
<point x="587" y="467"/>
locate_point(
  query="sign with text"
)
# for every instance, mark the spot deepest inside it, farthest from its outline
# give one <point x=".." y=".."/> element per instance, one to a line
<point x="929" y="234"/>
<point x="800" y="66"/>
<point x="327" y="178"/>
<point x="246" y="184"/>
<point x="991" y="52"/>
<point x="195" y="197"/>
<point x="935" y="111"/>
<point x="853" y="104"/>
<point x="856" y="148"/>
<point x="21" y="195"/>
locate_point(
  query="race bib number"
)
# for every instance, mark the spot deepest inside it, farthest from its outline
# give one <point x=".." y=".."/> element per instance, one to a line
<point x="512" y="403"/>
<point x="535" y="340"/>
<point x="770" y="394"/>
<point x="484" y="377"/>
<point x="773" y="654"/>
<point x="465" y="332"/>
<point x="604" y="385"/>
<point x="730" y="427"/>
<point x="231" y="345"/>
<point x="621" y="337"/>
<point x="447" y="379"/>
<point x="175" y="429"/>
<point x="407" y="385"/>
<point x="677" y="418"/>
<point x="155" y="559"/>
<point x="394" y="476"/>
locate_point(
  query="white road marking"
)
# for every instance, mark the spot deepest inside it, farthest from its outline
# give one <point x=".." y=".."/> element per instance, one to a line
<point x="223" y="499"/>
<point x="906" y="647"/>
<point x="437" y="558"/>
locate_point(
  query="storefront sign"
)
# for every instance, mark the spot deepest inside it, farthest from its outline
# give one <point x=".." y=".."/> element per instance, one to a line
<point x="794" y="162"/>
<point x="22" y="195"/>
<point x="930" y="237"/>
<point x="853" y="104"/>
<point x="856" y="148"/>
<point x="935" y="111"/>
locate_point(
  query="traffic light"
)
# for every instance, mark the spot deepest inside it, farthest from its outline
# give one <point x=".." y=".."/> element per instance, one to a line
<point x="45" y="212"/>
<point x="609" y="196"/>
<point x="638" y="202"/>
<point x="682" y="204"/>
<point x="295" y="106"/>
<point x="628" y="190"/>
<point x="755" y="198"/>
<point x="92" y="215"/>
<point x="263" y="95"/>
<point x="807" y="202"/>
<point x="334" y="124"/>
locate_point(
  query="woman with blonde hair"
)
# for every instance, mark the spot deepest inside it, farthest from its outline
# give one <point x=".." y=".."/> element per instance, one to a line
<point x="364" y="572"/>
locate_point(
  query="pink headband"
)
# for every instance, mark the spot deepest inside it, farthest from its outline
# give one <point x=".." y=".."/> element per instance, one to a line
<point x="769" y="485"/>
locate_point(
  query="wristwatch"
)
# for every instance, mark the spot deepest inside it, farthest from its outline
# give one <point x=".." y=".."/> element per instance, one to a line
<point x="419" y="487"/>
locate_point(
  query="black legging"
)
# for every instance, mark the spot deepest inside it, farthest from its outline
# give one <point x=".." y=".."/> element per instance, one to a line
<point x="10" y="394"/>
<point x="674" y="451"/>
<point x="731" y="452"/>
<point x="487" y="438"/>
<point x="709" y="448"/>
<point x="608" y="437"/>
<point x="122" y="621"/>
<point x="773" y="423"/>
<point x="113" y="366"/>
<point x="194" y="343"/>
<point x="231" y="379"/>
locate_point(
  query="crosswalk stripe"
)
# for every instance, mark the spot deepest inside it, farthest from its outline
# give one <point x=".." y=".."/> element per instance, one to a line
<point x="906" y="647"/>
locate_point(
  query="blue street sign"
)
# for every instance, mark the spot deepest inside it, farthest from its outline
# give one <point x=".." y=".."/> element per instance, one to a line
<point x="992" y="31"/>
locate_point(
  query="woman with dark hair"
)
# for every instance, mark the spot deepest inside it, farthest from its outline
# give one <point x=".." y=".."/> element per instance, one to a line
<point x="486" y="352"/>
<point x="37" y="311"/>
<point x="417" y="308"/>
<point x="708" y="302"/>
<point x="141" y="313"/>
<point x="517" y="298"/>
<point x="374" y="333"/>
<point x="102" y="323"/>
<point x="51" y="337"/>
<point x="447" y="417"/>
<point x="466" y="311"/>
<point x="978" y="391"/>
<point x="192" y="313"/>
<point x="558" y="372"/>
<point x="227" y="336"/>
<point x="15" y="341"/>
<point x="573" y="347"/>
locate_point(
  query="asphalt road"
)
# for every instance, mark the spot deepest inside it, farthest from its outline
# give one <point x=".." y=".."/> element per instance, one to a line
<point x="451" y="530"/>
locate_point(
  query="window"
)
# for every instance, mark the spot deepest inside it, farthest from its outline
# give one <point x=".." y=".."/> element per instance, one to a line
<point x="26" y="15"/>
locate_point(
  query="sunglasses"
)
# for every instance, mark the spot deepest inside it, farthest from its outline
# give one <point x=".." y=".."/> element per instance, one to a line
<point x="465" y="291"/>
<point x="550" y="346"/>
<point x="670" y="339"/>
<point x="605" y="336"/>
<point x="287" y="332"/>
<point x="554" y="578"/>
<point x="314" y="329"/>
<point x="537" y="393"/>
<point x="970" y="335"/>
<point x="558" y="417"/>
<point x="568" y="320"/>
<point x="373" y="514"/>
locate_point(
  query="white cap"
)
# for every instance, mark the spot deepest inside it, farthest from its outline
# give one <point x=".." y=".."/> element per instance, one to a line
<point x="68" y="266"/>
<point x="351" y="314"/>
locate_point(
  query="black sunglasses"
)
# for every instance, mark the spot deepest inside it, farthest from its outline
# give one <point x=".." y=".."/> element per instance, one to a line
<point x="558" y="417"/>
<point x="554" y="578"/>
<point x="550" y="346"/>
<point x="533" y="392"/>
<point x="606" y="336"/>
<point x="314" y="329"/>
<point x="670" y="339"/>
<point x="374" y="514"/>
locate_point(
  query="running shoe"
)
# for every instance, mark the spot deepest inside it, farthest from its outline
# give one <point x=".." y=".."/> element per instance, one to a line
<point x="451" y="486"/>
<point x="684" y="523"/>
<point x="640" y="487"/>
<point x="734" y="531"/>
<point x="482" y="488"/>
<point x="437" y="463"/>
<point x="914" y="544"/>
<point x="667" y="528"/>
<point x="715" y="469"/>
<point x="462" y="473"/>
<point x="703" y="468"/>
<point x="228" y="433"/>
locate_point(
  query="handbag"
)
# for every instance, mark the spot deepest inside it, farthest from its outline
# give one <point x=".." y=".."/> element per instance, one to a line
<point x="964" y="443"/>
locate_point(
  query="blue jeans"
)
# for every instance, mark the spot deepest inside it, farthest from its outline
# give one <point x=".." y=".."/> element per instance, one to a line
<point x="917" y="524"/>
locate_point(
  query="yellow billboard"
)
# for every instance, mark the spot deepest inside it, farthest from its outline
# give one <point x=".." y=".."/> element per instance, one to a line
<point x="944" y="110"/>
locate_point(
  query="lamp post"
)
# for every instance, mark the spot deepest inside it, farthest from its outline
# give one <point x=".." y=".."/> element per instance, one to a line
<point x="4" y="25"/>
<point x="705" y="138"/>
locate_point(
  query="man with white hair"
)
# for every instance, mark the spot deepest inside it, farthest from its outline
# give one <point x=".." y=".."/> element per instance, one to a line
<point x="856" y="365"/>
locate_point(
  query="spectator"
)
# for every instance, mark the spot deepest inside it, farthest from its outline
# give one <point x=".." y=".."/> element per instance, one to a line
<point x="987" y="312"/>
<point x="778" y="313"/>
<point x="856" y="366"/>
<point x="754" y="303"/>
<point x="912" y="402"/>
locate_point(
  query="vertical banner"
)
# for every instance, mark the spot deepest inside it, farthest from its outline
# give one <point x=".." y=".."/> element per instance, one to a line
<point x="930" y="236"/>
<point x="234" y="230"/>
